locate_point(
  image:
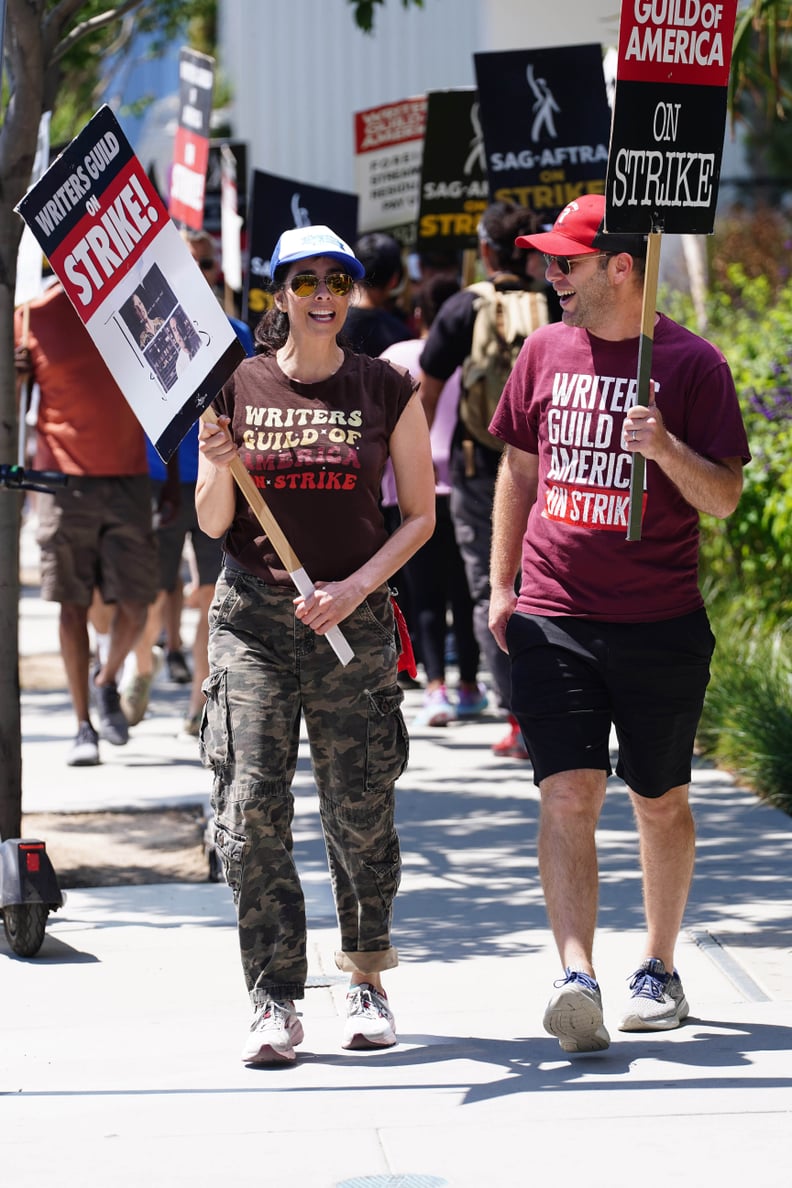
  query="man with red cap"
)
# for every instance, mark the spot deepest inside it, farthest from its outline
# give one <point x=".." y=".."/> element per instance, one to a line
<point x="607" y="632"/>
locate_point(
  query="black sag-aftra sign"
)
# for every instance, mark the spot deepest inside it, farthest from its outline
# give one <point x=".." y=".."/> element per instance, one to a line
<point x="669" y="115"/>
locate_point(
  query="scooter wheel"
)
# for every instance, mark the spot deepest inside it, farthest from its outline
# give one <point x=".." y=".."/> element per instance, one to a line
<point x="24" y="925"/>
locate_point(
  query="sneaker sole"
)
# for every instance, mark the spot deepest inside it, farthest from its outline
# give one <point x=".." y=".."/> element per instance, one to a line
<point x="134" y="714"/>
<point x="115" y="740"/>
<point x="634" y="1022"/>
<point x="271" y="1054"/>
<point x="576" y="1024"/>
<point x="362" y="1043"/>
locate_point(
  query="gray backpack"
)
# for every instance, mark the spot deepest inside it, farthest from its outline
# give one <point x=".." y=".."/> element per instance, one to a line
<point x="504" y="319"/>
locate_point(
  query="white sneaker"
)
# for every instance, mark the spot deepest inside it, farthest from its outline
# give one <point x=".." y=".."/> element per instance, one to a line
<point x="85" y="748"/>
<point x="369" y="1020"/>
<point x="658" y="1001"/>
<point x="574" y="1014"/>
<point x="275" y="1030"/>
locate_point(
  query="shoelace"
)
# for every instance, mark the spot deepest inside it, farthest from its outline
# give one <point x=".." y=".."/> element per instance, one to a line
<point x="362" y="999"/>
<point x="576" y="975"/>
<point x="278" y="1012"/>
<point x="648" y="985"/>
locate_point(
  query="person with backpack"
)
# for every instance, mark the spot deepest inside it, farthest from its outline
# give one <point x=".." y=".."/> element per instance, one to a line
<point x="481" y="329"/>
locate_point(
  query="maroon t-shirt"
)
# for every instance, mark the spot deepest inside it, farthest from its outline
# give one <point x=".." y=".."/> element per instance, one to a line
<point x="317" y="453"/>
<point x="566" y="401"/>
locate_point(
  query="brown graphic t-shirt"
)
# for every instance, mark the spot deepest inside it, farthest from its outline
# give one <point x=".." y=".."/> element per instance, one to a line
<point x="316" y="452"/>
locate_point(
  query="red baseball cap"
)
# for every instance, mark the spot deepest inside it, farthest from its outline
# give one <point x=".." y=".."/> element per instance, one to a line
<point x="579" y="231"/>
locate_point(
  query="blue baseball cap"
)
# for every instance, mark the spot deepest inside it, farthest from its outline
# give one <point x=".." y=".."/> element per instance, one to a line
<point x="301" y="243"/>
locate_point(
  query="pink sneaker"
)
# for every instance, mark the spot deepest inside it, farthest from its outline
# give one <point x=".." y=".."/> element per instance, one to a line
<point x="436" y="709"/>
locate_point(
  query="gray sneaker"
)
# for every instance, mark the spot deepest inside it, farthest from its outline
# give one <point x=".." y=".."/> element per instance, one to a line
<point x="369" y="1020"/>
<point x="275" y="1030"/>
<point x="113" y="726"/>
<point x="85" y="748"/>
<point x="658" y="1001"/>
<point x="574" y="1014"/>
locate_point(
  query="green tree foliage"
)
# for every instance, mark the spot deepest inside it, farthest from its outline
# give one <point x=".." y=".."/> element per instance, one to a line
<point x="750" y="554"/>
<point x="364" y="11"/>
<point x="760" y="90"/>
<point x="747" y="559"/>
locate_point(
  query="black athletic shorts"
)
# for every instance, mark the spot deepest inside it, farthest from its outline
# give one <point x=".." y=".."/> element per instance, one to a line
<point x="572" y="679"/>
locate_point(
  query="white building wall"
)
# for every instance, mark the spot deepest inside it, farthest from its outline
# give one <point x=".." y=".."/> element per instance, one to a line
<point x="300" y="69"/>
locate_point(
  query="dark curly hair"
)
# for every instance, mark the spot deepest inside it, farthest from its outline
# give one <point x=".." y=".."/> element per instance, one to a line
<point x="500" y="225"/>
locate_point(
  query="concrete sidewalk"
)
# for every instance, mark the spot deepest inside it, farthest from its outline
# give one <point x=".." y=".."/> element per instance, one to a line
<point x="120" y="1040"/>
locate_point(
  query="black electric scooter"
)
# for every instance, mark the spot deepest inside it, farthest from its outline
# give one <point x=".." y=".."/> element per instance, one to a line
<point x="29" y="891"/>
<point x="29" y="888"/>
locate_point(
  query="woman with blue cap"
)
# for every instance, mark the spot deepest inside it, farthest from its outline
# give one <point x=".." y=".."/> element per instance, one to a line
<point x="314" y="425"/>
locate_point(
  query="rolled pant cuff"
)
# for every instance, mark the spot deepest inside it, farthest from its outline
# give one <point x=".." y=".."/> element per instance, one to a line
<point x="353" y="961"/>
<point x="287" y="990"/>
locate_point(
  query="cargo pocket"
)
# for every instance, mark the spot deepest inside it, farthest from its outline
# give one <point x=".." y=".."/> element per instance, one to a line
<point x="387" y="743"/>
<point x="231" y="848"/>
<point x="214" y="739"/>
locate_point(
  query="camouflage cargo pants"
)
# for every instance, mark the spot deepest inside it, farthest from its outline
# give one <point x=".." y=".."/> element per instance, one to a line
<point x="266" y="669"/>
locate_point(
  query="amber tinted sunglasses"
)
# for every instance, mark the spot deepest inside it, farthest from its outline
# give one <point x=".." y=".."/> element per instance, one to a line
<point x="305" y="284"/>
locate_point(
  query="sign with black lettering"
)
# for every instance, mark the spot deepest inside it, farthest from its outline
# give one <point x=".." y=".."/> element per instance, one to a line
<point x="388" y="152"/>
<point x="669" y="115"/>
<point x="453" y="172"/>
<point x="546" y="124"/>
<point x="191" y="146"/>
<point x="133" y="281"/>
<point x="277" y="204"/>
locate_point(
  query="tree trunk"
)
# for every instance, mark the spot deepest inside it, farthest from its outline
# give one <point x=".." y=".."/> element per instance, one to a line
<point x="18" y="137"/>
<point x="10" y="509"/>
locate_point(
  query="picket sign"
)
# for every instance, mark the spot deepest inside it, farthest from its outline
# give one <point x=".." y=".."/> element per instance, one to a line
<point x="288" y="557"/>
<point x="138" y="291"/>
<point x="669" y="118"/>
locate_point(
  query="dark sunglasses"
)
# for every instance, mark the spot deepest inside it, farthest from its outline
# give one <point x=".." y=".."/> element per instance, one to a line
<point x="567" y="263"/>
<point x="206" y="264"/>
<point x="305" y="284"/>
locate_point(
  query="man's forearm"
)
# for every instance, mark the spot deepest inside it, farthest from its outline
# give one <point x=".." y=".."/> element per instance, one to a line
<point x="515" y="494"/>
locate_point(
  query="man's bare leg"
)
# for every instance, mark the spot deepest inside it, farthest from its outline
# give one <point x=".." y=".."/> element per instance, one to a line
<point x="571" y="805"/>
<point x="570" y="808"/>
<point x="668" y="840"/>
<point x="668" y="844"/>
<point x="75" y="650"/>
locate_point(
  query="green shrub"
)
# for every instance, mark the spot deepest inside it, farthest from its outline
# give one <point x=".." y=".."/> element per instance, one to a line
<point x="750" y="554"/>
<point x="746" y="560"/>
<point x="746" y="726"/>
